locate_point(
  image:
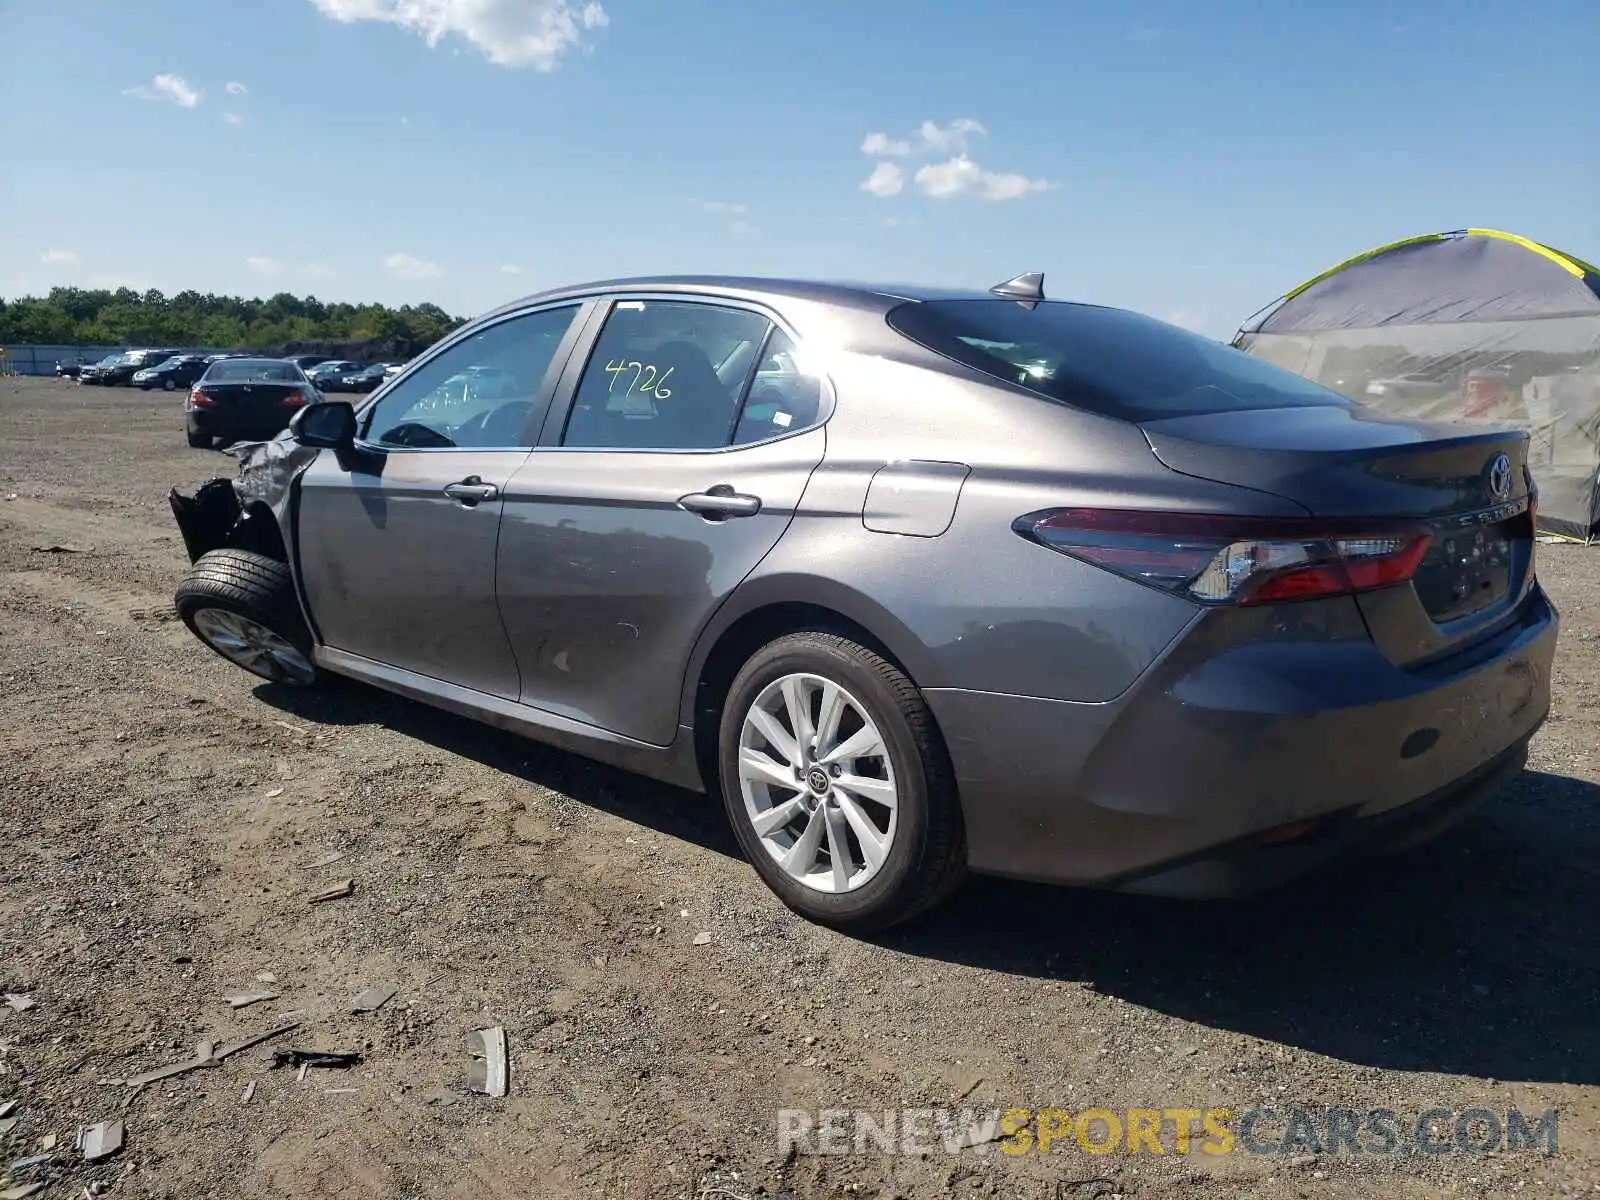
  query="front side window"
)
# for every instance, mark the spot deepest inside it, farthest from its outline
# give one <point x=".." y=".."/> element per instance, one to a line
<point x="1107" y="360"/>
<point x="479" y="393"/>
<point x="665" y="375"/>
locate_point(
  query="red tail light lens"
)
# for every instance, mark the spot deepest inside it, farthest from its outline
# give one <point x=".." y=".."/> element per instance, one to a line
<point x="1216" y="559"/>
<point x="198" y="399"/>
<point x="298" y="398"/>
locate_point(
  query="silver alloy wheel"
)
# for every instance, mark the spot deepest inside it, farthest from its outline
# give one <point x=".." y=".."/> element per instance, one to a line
<point x="253" y="646"/>
<point x="817" y="783"/>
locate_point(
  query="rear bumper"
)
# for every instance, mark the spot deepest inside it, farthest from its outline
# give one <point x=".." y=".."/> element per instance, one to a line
<point x="1170" y="788"/>
<point x="213" y="422"/>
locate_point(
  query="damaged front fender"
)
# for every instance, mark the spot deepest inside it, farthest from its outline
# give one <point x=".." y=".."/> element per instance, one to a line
<point x="250" y="511"/>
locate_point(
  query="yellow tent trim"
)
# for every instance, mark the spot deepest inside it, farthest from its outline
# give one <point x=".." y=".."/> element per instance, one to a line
<point x="1561" y="260"/>
<point x="1572" y="266"/>
<point x="1363" y="257"/>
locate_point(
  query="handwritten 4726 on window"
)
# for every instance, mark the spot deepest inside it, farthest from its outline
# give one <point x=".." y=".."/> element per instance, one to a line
<point x="646" y="378"/>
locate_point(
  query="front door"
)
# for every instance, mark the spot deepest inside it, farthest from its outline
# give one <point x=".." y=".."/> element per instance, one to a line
<point x="678" y="468"/>
<point x="398" y="553"/>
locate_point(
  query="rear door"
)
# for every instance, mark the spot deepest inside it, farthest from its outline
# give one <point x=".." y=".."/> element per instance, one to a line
<point x="397" y="547"/>
<point x="656" y="489"/>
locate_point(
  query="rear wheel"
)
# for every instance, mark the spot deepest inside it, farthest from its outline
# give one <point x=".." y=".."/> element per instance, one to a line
<point x="198" y="440"/>
<point x="167" y="384"/>
<point x="243" y="606"/>
<point x="837" y="784"/>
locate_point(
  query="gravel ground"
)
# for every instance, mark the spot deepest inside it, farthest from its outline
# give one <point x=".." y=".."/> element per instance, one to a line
<point x="164" y="819"/>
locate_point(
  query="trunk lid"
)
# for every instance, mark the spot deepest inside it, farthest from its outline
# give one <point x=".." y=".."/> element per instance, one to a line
<point x="256" y="399"/>
<point x="1469" y="486"/>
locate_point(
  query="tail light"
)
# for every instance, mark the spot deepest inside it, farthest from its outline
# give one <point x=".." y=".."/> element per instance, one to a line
<point x="1216" y="559"/>
<point x="198" y="399"/>
<point x="299" y="398"/>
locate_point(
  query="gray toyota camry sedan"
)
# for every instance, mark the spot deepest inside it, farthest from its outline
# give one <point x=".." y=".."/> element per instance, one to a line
<point x="920" y="581"/>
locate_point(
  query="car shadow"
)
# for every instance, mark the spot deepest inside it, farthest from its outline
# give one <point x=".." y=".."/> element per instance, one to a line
<point x="1477" y="954"/>
<point x="689" y="816"/>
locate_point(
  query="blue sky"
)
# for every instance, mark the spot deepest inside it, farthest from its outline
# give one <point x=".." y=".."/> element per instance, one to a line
<point x="1190" y="161"/>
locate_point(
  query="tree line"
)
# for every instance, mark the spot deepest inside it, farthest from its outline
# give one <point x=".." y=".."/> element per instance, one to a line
<point x="125" y="317"/>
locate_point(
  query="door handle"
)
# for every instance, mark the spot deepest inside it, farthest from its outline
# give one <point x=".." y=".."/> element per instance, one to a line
<point x="720" y="502"/>
<point x="471" y="490"/>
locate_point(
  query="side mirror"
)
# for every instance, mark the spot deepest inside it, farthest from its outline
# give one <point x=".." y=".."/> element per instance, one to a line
<point x="330" y="425"/>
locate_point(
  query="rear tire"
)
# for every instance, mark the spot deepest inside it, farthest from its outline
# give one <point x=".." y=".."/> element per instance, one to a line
<point x="198" y="440"/>
<point x="904" y="789"/>
<point x="243" y="606"/>
<point x="167" y="385"/>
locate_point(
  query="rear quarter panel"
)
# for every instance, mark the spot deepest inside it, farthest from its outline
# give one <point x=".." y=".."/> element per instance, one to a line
<point x="977" y="606"/>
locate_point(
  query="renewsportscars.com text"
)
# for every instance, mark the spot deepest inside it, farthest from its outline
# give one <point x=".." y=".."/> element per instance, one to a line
<point x="1286" y="1129"/>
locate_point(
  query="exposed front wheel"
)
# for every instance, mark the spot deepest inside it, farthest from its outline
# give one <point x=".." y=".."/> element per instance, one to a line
<point x="243" y="606"/>
<point x="837" y="784"/>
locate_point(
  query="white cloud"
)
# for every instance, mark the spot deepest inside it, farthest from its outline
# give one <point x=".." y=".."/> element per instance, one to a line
<point x="950" y="139"/>
<point x="235" y="88"/>
<point x="510" y="269"/>
<point x="58" y="258"/>
<point x="166" y="87"/>
<point x="883" y="146"/>
<point x="726" y="208"/>
<point x="319" y="271"/>
<point x="405" y="266"/>
<point x="741" y="227"/>
<point x="886" y="180"/>
<point x="509" y="33"/>
<point x="232" y="119"/>
<point x="262" y="265"/>
<point x="960" y="176"/>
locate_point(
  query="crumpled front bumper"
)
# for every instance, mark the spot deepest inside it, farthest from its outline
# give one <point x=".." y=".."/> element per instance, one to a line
<point x="207" y="518"/>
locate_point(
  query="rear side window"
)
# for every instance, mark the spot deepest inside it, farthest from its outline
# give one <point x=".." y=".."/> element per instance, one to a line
<point x="1106" y="360"/>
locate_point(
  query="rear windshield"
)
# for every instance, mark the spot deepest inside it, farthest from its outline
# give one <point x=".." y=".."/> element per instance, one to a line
<point x="1107" y="360"/>
<point x="240" y="370"/>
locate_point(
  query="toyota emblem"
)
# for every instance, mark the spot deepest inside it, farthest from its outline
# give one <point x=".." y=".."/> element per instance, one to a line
<point x="1500" y="477"/>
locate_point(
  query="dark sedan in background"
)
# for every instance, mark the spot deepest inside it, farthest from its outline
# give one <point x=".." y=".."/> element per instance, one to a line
<point x="245" y="399"/>
<point x="179" y="371"/>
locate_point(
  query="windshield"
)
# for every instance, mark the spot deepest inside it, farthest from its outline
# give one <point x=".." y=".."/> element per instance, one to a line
<point x="1107" y="360"/>
<point x="241" y="370"/>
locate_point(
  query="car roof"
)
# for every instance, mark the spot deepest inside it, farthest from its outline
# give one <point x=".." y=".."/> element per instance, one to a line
<point x="873" y="297"/>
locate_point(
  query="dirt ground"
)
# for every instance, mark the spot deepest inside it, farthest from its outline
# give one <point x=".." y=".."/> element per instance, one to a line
<point x="163" y="819"/>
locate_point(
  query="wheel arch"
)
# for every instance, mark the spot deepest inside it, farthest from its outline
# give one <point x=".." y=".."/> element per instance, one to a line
<point x="763" y="618"/>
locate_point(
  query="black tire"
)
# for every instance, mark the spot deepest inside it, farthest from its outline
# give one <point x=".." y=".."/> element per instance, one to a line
<point x="167" y="385"/>
<point x="255" y="587"/>
<point x="928" y="856"/>
<point x="198" y="440"/>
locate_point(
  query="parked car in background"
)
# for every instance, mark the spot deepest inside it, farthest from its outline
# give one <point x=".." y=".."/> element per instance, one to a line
<point x="245" y="398"/>
<point x="306" y="361"/>
<point x="325" y="371"/>
<point x="121" y="372"/>
<point x="91" y="373"/>
<point x="179" y="371"/>
<point x="364" y="380"/>
<point x="984" y="581"/>
<point x="70" y="370"/>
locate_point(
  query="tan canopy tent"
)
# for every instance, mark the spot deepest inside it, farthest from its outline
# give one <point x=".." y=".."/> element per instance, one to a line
<point x="1475" y="326"/>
